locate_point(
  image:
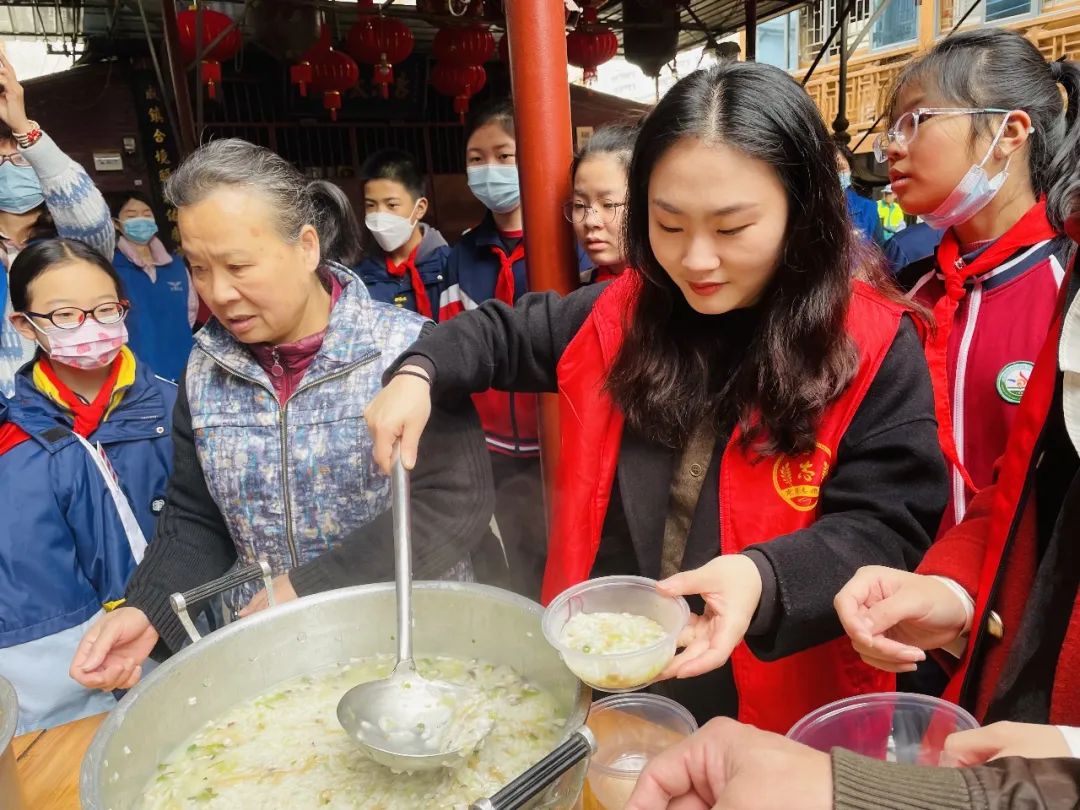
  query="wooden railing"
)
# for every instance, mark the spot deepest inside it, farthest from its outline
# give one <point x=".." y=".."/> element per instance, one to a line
<point x="872" y="74"/>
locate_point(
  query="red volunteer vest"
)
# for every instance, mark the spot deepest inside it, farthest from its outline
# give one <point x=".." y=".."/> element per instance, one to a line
<point x="759" y="499"/>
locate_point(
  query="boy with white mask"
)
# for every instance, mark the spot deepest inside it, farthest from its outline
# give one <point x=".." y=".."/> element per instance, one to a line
<point x="406" y="265"/>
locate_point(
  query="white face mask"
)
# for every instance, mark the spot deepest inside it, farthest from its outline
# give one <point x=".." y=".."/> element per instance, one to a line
<point x="390" y="230"/>
<point x="972" y="194"/>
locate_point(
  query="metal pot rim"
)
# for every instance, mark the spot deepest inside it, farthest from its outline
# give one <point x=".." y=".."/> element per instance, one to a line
<point x="90" y="773"/>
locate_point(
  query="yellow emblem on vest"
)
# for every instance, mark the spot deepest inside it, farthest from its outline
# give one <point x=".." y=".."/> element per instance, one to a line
<point x="798" y="479"/>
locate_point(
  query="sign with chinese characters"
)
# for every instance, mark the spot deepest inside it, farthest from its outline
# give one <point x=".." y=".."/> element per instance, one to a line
<point x="159" y="146"/>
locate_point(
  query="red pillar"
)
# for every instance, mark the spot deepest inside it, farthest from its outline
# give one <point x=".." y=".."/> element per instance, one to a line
<point x="537" y="32"/>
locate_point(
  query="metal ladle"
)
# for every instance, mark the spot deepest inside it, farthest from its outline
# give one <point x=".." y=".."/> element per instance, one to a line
<point x="405" y="722"/>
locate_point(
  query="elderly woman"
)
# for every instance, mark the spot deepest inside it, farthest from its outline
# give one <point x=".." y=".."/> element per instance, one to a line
<point x="273" y="456"/>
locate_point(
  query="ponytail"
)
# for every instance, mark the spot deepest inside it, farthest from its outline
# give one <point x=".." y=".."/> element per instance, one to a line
<point x="335" y="220"/>
<point x="1064" y="171"/>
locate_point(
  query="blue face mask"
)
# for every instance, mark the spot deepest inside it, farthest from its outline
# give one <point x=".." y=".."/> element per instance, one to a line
<point x="496" y="186"/>
<point x="845" y="180"/>
<point x="139" y="229"/>
<point x="20" y="190"/>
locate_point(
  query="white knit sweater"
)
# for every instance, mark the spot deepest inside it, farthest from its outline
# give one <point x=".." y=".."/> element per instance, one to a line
<point x="79" y="211"/>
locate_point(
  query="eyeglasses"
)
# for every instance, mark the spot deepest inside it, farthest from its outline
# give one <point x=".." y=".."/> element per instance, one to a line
<point x="905" y="129"/>
<point x="15" y="159"/>
<point x="73" y="317"/>
<point x="578" y="212"/>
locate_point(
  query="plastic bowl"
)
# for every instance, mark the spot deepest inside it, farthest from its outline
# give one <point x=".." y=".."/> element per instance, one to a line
<point x="617" y="672"/>
<point x="890" y="726"/>
<point x="630" y="730"/>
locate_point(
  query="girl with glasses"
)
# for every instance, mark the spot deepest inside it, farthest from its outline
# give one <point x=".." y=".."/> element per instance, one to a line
<point x="980" y="133"/>
<point x="83" y="471"/>
<point x="596" y="210"/>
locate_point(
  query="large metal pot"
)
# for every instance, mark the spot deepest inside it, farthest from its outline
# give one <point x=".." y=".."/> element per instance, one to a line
<point x="10" y="793"/>
<point x="249" y="657"/>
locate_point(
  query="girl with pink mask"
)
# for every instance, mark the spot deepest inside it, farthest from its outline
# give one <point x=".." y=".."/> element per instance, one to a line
<point x="85" y="455"/>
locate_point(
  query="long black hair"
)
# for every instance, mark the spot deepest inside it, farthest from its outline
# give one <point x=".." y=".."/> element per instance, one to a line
<point x="47" y="254"/>
<point x="1001" y="69"/>
<point x="799" y="358"/>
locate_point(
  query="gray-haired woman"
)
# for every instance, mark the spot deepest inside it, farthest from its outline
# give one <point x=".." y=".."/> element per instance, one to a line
<point x="272" y="453"/>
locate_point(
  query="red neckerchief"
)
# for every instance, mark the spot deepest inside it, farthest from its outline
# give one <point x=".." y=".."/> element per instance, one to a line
<point x="87" y="417"/>
<point x="423" y="304"/>
<point x="608" y="273"/>
<point x="11" y="436"/>
<point x="504" y="287"/>
<point x="1031" y="229"/>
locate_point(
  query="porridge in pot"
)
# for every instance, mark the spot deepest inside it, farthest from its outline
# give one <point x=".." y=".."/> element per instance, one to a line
<point x="284" y="749"/>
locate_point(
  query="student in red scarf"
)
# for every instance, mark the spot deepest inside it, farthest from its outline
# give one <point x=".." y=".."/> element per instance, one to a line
<point x="488" y="262"/>
<point x="85" y="454"/>
<point x="979" y="132"/>
<point x="405" y="261"/>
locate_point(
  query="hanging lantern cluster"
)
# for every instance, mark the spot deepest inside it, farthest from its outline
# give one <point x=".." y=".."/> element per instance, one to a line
<point x="460" y="53"/>
<point x="381" y="42"/>
<point x="214" y="24"/>
<point x="327" y="71"/>
<point x="590" y="44"/>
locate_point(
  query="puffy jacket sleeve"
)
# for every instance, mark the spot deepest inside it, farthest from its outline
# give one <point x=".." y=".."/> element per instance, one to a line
<point x="77" y="207"/>
<point x="101" y="543"/>
<point x="191" y="545"/>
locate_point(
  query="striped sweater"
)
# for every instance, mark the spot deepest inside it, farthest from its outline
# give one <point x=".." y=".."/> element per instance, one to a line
<point x="79" y="212"/>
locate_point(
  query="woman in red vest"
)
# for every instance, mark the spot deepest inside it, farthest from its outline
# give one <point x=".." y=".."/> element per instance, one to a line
<point x="735" y="398"/>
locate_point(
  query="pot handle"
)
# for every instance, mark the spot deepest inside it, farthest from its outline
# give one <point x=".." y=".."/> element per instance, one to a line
<point x="580" y="745"/>
<point x="180" y="601"/>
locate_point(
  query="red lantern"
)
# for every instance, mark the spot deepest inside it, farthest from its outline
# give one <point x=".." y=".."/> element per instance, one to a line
<point x="382" y="42"/>
<point x="214" y="24"/>
<point x="211" y="76"/>
<point x="461" y="82"/>
<point x="463" y="46"/>
<point x="300" y="74"/>
<point x="332" y="72"/>
<point x="591" y="44"/>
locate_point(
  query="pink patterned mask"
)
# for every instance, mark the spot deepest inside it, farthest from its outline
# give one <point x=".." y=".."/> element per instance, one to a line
<point x="89" y="346"/>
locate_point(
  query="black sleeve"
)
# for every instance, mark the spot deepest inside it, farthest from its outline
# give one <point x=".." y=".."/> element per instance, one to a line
<point x="498" y="346"/>
<point x="882" y="506"/>
<point x="191" y="544"/>
<point x="453" y="498"/>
